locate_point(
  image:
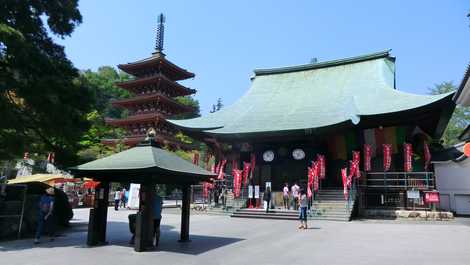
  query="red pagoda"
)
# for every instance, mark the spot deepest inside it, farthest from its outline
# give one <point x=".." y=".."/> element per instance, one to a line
<point x="153" y="91"/>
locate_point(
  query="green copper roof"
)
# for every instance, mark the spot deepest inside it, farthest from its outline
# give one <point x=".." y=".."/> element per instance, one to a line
<point x="144" y="160"/>
<point x="313" y="96"/>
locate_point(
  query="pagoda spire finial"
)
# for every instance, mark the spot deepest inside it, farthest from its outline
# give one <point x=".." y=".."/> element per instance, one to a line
<point x="160" y="34"/>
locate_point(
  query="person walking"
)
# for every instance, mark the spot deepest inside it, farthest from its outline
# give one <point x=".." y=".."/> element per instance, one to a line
<point x="157" y="218"/>
<point x="267" y="197"/>
<point x="117" y="199"/>
<point x="295" y="195"/>
<point x="285" y="196"/>
<point x="123" y="198"/>
<point x="46" y="218"/>
<point x="303" y="203"/>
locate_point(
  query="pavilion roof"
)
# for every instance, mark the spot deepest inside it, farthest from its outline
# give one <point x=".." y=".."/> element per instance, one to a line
<point x="142" y="163"/>
<point x="314" y="96"/>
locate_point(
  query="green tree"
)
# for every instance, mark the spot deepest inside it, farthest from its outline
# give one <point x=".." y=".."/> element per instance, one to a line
<point x="460" y="118"/>
<point x="103" y="85"/>
<point x="191" y="102"/>
<point x="43" y="104"/>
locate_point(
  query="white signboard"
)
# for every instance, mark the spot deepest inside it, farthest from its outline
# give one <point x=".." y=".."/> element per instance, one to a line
<point x="250" y="191"/>
<point x="256" y="191"/>
<point x="133" y="202"/>
<point x="268" y="184"/>
<point x="412" y="194"/>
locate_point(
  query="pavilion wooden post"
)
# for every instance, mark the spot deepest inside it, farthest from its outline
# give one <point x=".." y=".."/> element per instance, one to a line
<point x="144" y="222"/>
<point x="185" y="211"/>
<point x="98" y="216"/>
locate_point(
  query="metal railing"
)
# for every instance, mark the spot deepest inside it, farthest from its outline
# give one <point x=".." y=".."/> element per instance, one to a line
<point x="400" y="180"/>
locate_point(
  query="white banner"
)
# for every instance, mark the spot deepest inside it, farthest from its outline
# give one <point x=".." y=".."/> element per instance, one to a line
<point x="133" y="202"/>
<point x="256" y="191"/>
<point x="250" y="191"/>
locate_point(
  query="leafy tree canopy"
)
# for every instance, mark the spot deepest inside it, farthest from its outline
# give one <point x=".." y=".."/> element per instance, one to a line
<point x="43" y="103"/>
<point x="460" y="118"/>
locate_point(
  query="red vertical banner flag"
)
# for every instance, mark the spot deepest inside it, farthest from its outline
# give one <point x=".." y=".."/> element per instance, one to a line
<point x="310" y="177"/>
<point x="237" y="177"/>
<point x="387" y="149"/>
<point x="344" y="176"/>
<point x="253" y="163"/>
<point x="315" y="175"/>
<point x="221" y="169"/>
<point x="196" y="159"/>
<point x="407" y="157"/>
<point x="427" y="157"/>
<point x="367" y="157"/>
<point x="357" y="162"/>
<point x="246" y="172"/>
<point x="322" y="162"/>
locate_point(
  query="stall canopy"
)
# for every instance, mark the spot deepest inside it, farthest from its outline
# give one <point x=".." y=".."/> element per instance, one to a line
<point x="45" y="178"/>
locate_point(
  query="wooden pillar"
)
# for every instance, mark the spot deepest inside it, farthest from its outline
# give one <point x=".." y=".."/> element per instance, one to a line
<point x="144" y="222"/>
<point x="98" y="216"/>
<point x="185" y="208"/>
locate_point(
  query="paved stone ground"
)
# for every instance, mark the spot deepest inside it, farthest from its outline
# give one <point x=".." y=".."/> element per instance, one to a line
<point x="225" y="240"/>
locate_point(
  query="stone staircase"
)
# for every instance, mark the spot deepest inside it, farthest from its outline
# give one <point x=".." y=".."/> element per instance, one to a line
<point x="330" y="205"/>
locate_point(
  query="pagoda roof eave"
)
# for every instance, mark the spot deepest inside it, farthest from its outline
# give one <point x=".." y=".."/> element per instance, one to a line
<point x="136" y="83"/>
<point x="148" y="98"/>
<point x="137" y="118"/>
<point x="155" y="60"/>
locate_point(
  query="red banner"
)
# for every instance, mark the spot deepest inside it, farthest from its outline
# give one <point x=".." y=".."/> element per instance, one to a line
<point x="237" y="182"/>
<point x="315" y="175"/>
<point x="387" y="149"/>
<point x="344" y="176"/>
<point x="196" y="159"/>
<point x="221" y="169"/>
<point x="246" y="172"/>
<point x="354" y="171"/>
<point x="322" y="162"/>
<point x="357" y="162"/>
<point x="427" y="157"/>
<point x="309" y="192"/>
<point x="408" y="156"/>
<point x="253" y="164"/>
<point x="367" y="157"/>
<point x="310" y="177"/>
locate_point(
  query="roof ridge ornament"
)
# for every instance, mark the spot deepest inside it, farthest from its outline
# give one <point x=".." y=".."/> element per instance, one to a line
<point x="160" y="34"/>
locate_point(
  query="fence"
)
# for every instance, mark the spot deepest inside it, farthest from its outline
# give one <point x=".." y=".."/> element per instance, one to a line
<point x="400" y="180"/>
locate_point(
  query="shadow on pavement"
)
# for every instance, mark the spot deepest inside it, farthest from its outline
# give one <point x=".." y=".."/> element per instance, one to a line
<point x="118" y="235"/>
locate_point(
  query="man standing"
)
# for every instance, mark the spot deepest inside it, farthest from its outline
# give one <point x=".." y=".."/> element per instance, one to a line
<point x="45" y="218"/>
<point x="295" y="195"/>
<point x="285" y="196"/>
<point x="157" y="218"/>
<point x="117" y="199"/>
<point x="123" y="198"/>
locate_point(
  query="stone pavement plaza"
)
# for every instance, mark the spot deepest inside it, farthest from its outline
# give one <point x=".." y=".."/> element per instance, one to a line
<point x="225" y="240"/>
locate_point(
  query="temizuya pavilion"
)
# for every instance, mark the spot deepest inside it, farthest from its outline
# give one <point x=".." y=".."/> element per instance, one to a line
<point x="148" y="165"/>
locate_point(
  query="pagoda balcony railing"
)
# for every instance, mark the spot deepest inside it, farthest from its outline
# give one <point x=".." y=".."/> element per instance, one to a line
<point x="399" y="180"/>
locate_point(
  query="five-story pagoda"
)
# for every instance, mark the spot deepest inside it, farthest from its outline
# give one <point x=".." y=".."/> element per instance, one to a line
<point x="153" y="91"/>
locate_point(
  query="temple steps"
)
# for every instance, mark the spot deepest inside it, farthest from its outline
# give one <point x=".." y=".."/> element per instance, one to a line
<point x="329" y="205"/>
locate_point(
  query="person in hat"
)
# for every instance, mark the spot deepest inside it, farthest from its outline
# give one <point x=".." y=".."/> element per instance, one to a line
<point x="46" y="218"/>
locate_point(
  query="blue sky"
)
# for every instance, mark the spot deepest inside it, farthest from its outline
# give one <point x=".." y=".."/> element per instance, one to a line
<point x="223" y="41"/>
